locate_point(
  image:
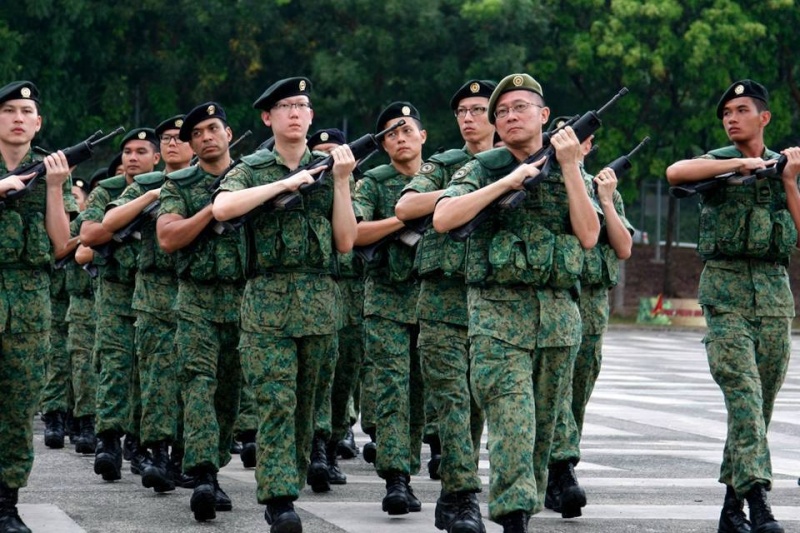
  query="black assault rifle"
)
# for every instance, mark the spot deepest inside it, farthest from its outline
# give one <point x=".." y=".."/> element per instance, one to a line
<point x="729" y="178"/>
<point x="622" y="164"/>
<point x="75" y="155"/>
<point x="584" y="126"/>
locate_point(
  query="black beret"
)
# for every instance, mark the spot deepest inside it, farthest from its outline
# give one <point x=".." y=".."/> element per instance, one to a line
<point x="513" y="82"/>
<point x="198" y="115"/>
<point x="557" y="123"/>
<point x="472" y="88"/>
<point x="741" y="88"/>
<point x="111" y="171"/>
<point x="139" y="134"/>
<point x="97" y="175"/>
<point x="396" y="110"/>
<point x="19" y="90"/>
<point x="283" y="89"/>
<point x="330" y="135"/>
<point x="173" y="123"/>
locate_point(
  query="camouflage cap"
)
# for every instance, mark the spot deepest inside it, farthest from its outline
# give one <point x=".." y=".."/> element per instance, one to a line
<point x="172" y="123"/>
<point x="330" y="135"/>
<point x="139" y="134"/>
<point x="282" y="89"/>
<point x="742" y="88"/>
<point x="199" y="114"/>
<point x="472" y="88"/>
<point x="19" y="90"/>
<point x="513" y="82"/>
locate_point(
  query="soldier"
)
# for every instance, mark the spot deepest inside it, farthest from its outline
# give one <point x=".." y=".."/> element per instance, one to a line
<point x="599" y="274"/>
<point x="524" y="321"/>
<point x="442" y="310"/>
<point x="153" y="299"/>
<point x="118" y="408"/>
<point x="289" y="304"/>
<point x="745" y="294"/>
<point x="210" y="283"/>
<point x="33" y="230"/>
<point x="390" y="318"/>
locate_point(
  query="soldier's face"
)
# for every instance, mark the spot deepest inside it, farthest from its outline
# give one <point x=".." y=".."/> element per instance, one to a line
<point x="742" y="120"/>
<point x="290" y="118"/>
<point x="138" y="157"/>
<point x="473" y="119"/>
<point x="19" y="121"/>
<point x="518" y="128"/>
<point x="175" y="152"/>
<point x="211" y="139"/>
<point x="324" y="147"/>
<point x="405" y="143"/>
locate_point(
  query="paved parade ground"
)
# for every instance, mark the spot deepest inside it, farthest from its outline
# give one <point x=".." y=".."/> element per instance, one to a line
<point x="654" y="433"/>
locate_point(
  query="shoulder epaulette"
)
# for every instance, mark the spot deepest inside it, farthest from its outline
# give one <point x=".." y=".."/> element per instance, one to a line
<point x="258" y="159"/>
<point x="727" y="152"/>
<point x="115" y="184"/>
<point x="496" y="159"/>
<point x="450" y="157"/>
<point x="149" y="179"/>
<point x="382" y="172"/>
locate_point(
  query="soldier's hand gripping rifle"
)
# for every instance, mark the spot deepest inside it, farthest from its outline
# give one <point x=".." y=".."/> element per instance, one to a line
<point x="583" y="126"/>
<point x="362" y="148"/>
<point x="622" y="164"/>
<point x="706" y="186"/>
<point x="75" y="155"/>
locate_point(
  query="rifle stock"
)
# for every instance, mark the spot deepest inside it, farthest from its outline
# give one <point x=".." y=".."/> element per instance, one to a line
<point x="729" y="178"/>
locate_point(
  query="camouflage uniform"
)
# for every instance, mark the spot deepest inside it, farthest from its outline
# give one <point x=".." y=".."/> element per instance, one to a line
<point x="209" y="295"/>
<point x="288" y="321"/>
<point x="600" y="273"/>
<point x="117" y="389"/>
<point x="443" y="340"/>
<point x="57" y="390"/>
<point x="522" y="271"/>
<point x="391" y="330"/>
<point x="153" y="299"/>
<point x="748" y="305"/>
<point x="25" y="316"/>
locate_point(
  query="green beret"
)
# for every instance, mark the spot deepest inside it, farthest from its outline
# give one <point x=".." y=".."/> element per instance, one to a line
<point x="513" y="82"/>
<point x="173" y="123"/>
<point x="283" y="89"/>
<point x="396" y="110"/>
<point x="742" y="88"/>
<point x="111" y="171"/>
<point x="557" y="123"/>
<point x="19" y="90"/>
<point x="472" y="88"/>
<point x="139" y="134"/>
<point x="198" y="115"/>
<point x="330" y="135"/>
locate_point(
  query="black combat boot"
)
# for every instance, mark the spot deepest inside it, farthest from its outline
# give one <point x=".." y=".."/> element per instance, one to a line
<point x="204" y="501"/>
<point x="396" y="500"/>
<point x="370" y="448"/>
<point x="157" y="475"/>
<point x="468" y="517"/>
<point x="335" y="475"/>
<point x="73" y="426"/>
<point x="10" y="522"/>
<point x="732" y="519"/>
<point x="347" y="448"/>
<point x="436" y="456"/>
<point x="446" y="509"/>
<point x="572" y="495"/>
<point x="181" y="479"/>
<point x="86" y="441"/>
<point x="552" y="497"/>
<point x="108" y="456"/>
<point x="128" y="444"/>
<point x="222" y="502"/>
<point x="514" y="522"/>
<point x="281" y="516"/>
<point x="317" y="473"/>
<point x="140" y="457"/>
<point x="248" y="453"/>
<point x="761" y="519"/>
<point x="236" y="447"/>
<point x="54" y="429"/>
<point x="414" y="505"/>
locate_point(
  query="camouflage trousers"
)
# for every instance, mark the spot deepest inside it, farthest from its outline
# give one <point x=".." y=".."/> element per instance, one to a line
<point x="322" y="395"/>
<point x="345" y="379"/>
<point x="576" y="390"/>
<point x="210" y="377"/>
<point x="80" y="341"/>
<point x="118" y="382"/>
<point x="444" y="352"/>
<point x="57" y="390"/>
<point x="247" y="420"/>
<point x="391" y="348"/>
<point x="158" y="378"/>
<point x="367" y="391"/>
<point x="748" y="358"/>
<point x="518" y="391"/>
<point x="283" y="373"/>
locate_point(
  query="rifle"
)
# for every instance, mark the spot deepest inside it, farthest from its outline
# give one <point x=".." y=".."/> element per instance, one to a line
<point x="362" y="148"/>
<point x="405" y="235"/>
<point x="75" y="155"/>
<point x="622" y="164"/>
<point x="584" y="126"/>
<point x="729" y="178"/>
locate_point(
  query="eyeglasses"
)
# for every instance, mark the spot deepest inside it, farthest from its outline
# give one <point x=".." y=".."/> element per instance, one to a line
<point x="475" y="111"/>
<point x="302" y="106"/>
<point x="166" y="139"/>
<point x="518" y="108"/>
